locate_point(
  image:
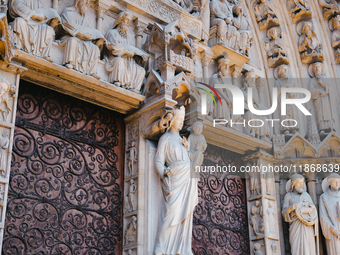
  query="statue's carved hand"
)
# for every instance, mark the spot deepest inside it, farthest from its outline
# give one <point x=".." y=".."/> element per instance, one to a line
<point x="167" y="171"/>
<point x="185" y="142"/>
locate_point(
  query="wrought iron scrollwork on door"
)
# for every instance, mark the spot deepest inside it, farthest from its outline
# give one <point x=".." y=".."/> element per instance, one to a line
<point x="65" y="192"/>
<point x="220" y="218"/>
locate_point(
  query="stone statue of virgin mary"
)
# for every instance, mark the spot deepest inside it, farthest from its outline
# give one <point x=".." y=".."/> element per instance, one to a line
<point x="179" y="190"/>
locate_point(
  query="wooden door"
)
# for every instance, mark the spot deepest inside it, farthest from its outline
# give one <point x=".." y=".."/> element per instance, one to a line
<point x="220" y="218"/>
<point x="65" y="191"/>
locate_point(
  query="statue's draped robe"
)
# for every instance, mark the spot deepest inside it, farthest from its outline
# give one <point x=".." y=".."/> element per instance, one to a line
<point x="219" y="12"/>
<point x="312" y="44"/>
<point x="82" y="54"/>
<point x="301" y="236"/>
<point x="329" y="219"/>
<point x="323" y="108"/>
<point x="242" y="24"/>
<point x="32" y="36"/>
<point x="122" y="68"/>
<point x="175" y="232"/>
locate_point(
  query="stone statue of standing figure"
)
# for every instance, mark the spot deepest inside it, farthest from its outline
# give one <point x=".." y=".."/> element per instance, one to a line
<point x="180" y="191"/>
<point x="330" y="213"/>
<point x="4" y="143"/>
<point x="301" y="214"/>
<point x="197" y="145"/>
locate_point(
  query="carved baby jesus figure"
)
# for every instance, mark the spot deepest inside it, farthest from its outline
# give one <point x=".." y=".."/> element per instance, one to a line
<point x="197" y="145"/>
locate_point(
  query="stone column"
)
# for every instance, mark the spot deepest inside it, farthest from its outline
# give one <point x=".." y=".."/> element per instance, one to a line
<point x="139" y="30"/>
<point x="262" y="206"/>
<point x="55" y="5"/>
<point x="206" y="60"/>
<point x="100" y="18"/>
<point x="9" y="83"/>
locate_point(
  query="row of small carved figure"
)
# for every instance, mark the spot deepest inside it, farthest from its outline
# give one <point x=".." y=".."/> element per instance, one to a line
<point x="35" y="29"/>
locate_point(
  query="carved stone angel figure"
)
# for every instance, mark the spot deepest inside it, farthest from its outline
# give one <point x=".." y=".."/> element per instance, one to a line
<point x="222" y="17"/>
<point x="33" y="26"/>
<point x="330" y="213"/>
<point x="121" y="56"/>
<point x="321" y="96"/>
<point x="80" y="40"/>
<point x="300" y="211"/>
<point x="180" y="191"/>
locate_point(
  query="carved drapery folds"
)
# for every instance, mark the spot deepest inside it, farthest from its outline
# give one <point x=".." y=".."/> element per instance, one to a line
<point x="334" y="24"/>
<point x="276" y="48"/>
<point x="230" y="28"/>
<point x="33" y="26"/>
<point x="265" y="15"/>
<point x="299" y="10"/>
<point x="121" y="58"/>
<point x="301" y="214"/>
<point x="309" y="45"/>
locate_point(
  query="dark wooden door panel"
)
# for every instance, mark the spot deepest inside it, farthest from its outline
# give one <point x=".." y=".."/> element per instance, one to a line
<point x="65" y="192"/>
<point x="220" y="218"/>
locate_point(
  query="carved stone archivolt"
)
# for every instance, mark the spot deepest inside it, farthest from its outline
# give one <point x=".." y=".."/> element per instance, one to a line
<point x="334" y="24"/>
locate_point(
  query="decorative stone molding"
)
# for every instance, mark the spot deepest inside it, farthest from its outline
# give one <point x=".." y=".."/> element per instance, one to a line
<point x="167" y="13"/>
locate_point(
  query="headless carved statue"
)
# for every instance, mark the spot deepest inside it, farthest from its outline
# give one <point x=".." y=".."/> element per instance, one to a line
<point x="121" y="56"/>
<point x="81" y="42"/>
<point x="130" y="233"/>
<point x="33" y="26"/>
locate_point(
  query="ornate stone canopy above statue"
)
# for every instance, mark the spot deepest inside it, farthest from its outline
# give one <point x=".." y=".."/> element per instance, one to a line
<point x="171" y="49"/>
